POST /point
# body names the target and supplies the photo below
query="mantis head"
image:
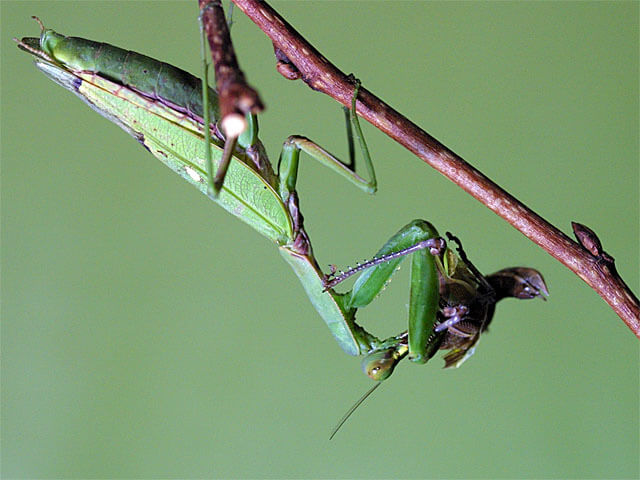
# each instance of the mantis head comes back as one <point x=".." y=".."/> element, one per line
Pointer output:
<point x="379" y="365"/>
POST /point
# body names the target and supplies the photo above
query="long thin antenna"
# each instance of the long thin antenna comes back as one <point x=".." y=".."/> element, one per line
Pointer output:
<point x="353" y="409"/>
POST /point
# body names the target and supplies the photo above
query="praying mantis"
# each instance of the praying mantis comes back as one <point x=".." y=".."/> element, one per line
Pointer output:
<point x="451" y="302"/>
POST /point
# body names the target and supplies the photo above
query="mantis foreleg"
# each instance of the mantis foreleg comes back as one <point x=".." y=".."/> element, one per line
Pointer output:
<point x="419" y="239"/>
<point x="423" y="299"/>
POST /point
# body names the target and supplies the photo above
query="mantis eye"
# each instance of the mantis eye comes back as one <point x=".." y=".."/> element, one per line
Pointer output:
<point x="379" y="365"/>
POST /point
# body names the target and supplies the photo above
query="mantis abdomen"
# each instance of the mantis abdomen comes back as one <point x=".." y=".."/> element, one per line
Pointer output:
<point x="154" y="79"/>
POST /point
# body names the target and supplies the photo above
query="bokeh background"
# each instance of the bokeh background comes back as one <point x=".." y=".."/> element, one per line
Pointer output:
<point x="147" y="333"/>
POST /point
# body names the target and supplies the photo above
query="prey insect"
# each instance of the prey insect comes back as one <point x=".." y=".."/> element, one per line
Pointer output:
<point x="161" y="106"/>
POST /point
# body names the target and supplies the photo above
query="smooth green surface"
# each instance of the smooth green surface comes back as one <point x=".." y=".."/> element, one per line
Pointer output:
<point x="339" y="320"/>
<point x="147" y="333"/>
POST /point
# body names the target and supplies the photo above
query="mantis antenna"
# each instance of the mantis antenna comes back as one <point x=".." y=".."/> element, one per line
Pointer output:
<point x="346" y="416"/>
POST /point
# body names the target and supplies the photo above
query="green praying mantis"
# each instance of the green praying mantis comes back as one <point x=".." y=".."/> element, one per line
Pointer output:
<point x="451" y="302"/>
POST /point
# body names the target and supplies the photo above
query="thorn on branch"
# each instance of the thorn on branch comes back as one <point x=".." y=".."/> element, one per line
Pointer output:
<point x="236" y="97"/>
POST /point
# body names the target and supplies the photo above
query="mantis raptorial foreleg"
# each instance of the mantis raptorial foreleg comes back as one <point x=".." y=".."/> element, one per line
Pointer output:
<point x="419" y="239"/>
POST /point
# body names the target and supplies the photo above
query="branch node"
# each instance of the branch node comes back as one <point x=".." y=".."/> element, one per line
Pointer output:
<point x="285" y="67"/>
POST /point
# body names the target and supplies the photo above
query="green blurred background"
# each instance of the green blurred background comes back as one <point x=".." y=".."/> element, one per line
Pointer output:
<point x="147" y="333"/>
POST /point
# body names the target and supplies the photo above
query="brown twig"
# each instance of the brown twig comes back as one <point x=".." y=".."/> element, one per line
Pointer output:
<point x="236" y="97"/>
<point x="324" y="77"/>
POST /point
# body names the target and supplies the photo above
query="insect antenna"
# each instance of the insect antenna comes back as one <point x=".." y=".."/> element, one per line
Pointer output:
<point x="346" y="416"/>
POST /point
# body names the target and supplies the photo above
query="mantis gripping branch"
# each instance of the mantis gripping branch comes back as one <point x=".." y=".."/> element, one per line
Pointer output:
<point x="451" y="304"/>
